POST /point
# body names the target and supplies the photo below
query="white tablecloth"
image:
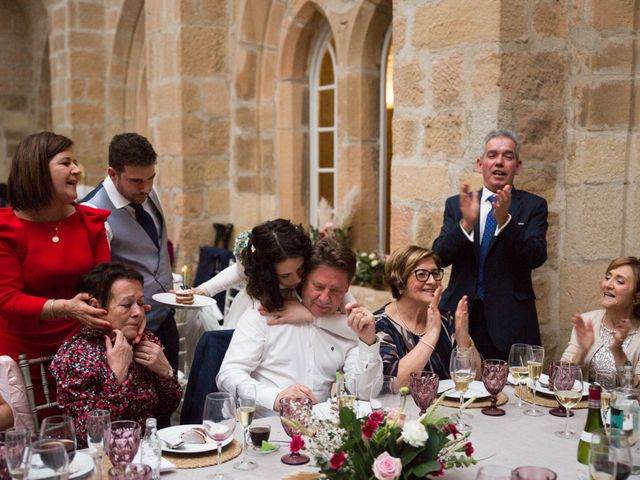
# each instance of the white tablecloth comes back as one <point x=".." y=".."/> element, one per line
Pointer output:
<point x="512" y="440"/>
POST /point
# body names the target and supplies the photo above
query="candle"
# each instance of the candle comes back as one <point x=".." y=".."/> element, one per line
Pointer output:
<point x="184" y="276"/>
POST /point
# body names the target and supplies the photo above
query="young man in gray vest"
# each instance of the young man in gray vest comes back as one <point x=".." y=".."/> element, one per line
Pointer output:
<point x="136" y="228"/>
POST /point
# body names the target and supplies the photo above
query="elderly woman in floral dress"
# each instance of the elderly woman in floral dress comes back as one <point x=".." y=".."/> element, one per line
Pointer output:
<point x="107" y="371"/>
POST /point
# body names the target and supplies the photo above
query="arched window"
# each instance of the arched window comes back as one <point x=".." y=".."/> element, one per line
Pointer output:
<point x="386" y="117"/>
<point x="323" y="127"/>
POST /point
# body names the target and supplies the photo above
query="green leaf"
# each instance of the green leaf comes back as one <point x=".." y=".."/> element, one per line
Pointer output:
<point x="428" y="467"/>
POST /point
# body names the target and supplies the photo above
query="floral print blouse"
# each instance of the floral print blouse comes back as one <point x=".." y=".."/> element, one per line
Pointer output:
<point x="86" y="382"/>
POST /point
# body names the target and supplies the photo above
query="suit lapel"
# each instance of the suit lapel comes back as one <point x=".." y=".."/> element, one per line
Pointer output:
<point x="514" y="208"/>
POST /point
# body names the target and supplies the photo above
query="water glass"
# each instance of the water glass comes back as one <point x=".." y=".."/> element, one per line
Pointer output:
<point x="49" y="460"/>
<point x="122" y="440"/>
<point x="17" y="452"/>
<point x="618" y="441"/>
<point x="386" y="395"/>
<point x="603" y="462"/>
<point x="98" y="421"/>
<point x="424" y="388"/>
<point x="4" y="471"/>
<point x="493" y="472"/>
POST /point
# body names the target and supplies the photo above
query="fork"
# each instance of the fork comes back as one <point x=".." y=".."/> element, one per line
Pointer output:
<point x="174" y="445"/>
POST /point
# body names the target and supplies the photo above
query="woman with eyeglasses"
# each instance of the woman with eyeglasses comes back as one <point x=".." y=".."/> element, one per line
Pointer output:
<point x="414" y="334"/>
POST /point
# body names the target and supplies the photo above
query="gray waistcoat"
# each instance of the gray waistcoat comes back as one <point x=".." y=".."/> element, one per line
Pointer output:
<point x="131" y="245"/>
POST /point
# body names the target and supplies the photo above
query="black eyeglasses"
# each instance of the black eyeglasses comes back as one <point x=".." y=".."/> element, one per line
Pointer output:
<point x="423" y="275"/>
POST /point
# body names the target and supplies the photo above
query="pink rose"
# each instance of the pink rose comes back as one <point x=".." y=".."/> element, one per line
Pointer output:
<point x="394" y="415"/>
<point x="386" y="467"/>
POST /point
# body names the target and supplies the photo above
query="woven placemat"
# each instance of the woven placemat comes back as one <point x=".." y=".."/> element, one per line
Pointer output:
<point x="478" y="403"/>
<point x="206" y="459"/>
<point x="545" y="400"/>
<point x="300" y="475"/>
<point x="191" y="460"/>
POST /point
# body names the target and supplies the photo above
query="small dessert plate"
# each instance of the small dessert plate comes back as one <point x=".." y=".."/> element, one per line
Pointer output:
<point x="199" y="301"/>
<point x="172" y="435"/>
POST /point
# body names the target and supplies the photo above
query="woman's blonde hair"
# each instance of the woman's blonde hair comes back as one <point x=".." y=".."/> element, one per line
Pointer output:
<point x="402" y="263"/>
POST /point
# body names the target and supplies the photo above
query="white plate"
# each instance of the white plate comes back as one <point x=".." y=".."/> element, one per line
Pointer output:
<point x="324" y="411"/>
<point x="82" y="464"/>
<point x="476" y="389"/>
<point x="172" y="435"/>
<point x="544" y="379"/>
<point x="199" y="301"/>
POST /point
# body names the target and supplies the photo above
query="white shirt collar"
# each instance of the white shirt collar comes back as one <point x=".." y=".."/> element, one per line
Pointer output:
<point x="486" y="193"/>
<point x="114" y="195"/>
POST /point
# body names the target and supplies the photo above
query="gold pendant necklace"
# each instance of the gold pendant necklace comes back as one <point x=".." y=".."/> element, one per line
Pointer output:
<point x="405" y="325"/>
<point x="55" y="238"/>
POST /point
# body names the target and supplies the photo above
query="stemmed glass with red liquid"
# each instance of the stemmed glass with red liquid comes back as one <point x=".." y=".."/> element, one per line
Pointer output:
<point x="494" y="378"/>
<point x="296" y="410"/>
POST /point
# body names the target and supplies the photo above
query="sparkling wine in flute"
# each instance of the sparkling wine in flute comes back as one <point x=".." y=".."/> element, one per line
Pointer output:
<point x="605" y="400"/>
<point x="461" y="381"/>
<point x="519" y="374"/>
<point x="568" y="398"/>
<point x="245" y="415"/>
<point x="535" y="370"/>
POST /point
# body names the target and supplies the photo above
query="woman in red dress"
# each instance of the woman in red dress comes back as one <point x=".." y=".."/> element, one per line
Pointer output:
<point x="47" y="243"/>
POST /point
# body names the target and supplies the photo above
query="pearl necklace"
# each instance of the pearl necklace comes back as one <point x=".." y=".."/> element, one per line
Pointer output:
<point x="405" y="325"/>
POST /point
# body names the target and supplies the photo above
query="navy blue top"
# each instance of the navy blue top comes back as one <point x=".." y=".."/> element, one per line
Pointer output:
<point x="396" y="341"/>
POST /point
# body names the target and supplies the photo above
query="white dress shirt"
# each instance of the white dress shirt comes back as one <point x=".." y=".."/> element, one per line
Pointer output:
<point x="275" y="357"/>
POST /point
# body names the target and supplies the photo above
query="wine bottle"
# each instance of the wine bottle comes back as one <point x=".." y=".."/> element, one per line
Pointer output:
<point x="593" y="423"/>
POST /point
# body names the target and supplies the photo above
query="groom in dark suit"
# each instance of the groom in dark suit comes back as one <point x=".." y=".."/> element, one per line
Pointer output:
<point x="494" y="238"/>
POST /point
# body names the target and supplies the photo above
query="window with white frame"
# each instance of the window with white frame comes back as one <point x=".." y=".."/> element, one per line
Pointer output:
<point x="323" y="127"/>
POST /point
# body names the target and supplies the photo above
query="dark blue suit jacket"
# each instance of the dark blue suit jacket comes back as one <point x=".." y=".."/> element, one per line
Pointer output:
<point x="520" y="247"/>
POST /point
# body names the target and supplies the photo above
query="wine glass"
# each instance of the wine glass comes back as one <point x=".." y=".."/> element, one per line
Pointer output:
<point x="49" y="459"/>
<point x="618" y="441"/>
<point x="603" y="462"/>
<point x="535" y="359"/>
<point x="462" y="368"/>
<point x="385" y="395"/>
<point x="60" y="427"/>
<point x="533" y="473"/>
<point x="97" y="423"/>
<point x="518" y="368"/>
<point x="494" y="377"/>
<point x="608" y="380"/>
<point x="567" y="387"/>
<point x="219" y="420"/>
<point x="122" y="440"/>
<point x="296" y="410"/>
<point x="424" y="388"/>
<point x="558" y="411"/>
<point x="246" y="394"/>
<point x="17" y="452"/>
<point x="493" y="472"/>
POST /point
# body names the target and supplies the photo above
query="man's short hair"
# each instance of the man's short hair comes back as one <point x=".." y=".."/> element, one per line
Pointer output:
<point x="501" y="132"/>
<point x="130" y="149"/>
<point x="333" y="254"/>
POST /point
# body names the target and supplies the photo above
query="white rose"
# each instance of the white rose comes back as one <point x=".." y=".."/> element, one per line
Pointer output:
<point x="414" y="433"/>
<point x="372" y="256"/>
<point x="374" y="263"/>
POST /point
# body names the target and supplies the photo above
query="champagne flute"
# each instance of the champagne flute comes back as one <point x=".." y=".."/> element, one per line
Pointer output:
<point x="616" y="440"/>
<point x="603" y="462"/>
<point x="462" y="367"/>
<point x="97" y="423"/>
<point x="567" y="387"/>
<point x="60" y="427"/>
<point x="518" y="368"/>
<point x="219" y="420"/>
<point x="17" y="452"/>
<point x="608" y="380"/>
<point x="246" y="400"/>
<point x="49" y="460"/>
<point x="535" y="359"/>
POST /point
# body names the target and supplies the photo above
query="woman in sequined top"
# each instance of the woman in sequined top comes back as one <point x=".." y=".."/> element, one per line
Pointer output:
<point x="605" y="339"/>
<point x="108" y="371"/>
<point x="414" y="334"/>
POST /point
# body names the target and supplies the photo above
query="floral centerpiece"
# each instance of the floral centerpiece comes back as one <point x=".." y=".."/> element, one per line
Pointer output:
<point x="385" y="445"/>
<point x="370" y="270"/>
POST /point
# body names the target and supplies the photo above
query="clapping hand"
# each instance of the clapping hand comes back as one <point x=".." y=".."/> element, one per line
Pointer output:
<point x="620" y="332"/>
<point x="361" y="321"/>
<point x="584" y="332"/>
<point x="469" y="207"/>
<point x="501" y="205"/>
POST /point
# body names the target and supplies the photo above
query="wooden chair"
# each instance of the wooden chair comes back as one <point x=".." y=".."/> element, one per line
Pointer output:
<point x="25" y="366"/>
